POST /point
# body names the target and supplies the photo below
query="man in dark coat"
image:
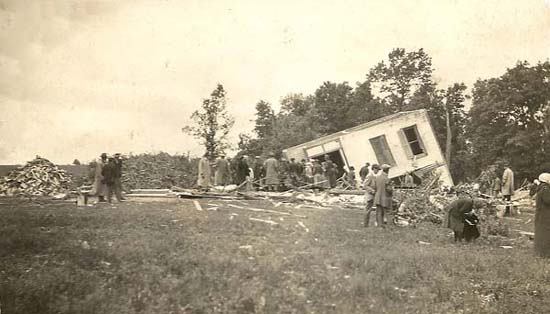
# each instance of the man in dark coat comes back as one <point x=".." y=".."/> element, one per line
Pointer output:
<point x="542" y="216"/>
<point x="118" y="179"/>
<point x="456" y="212"/>
<point x="330" y="171"/>
<point x="242" y="170"/>
<point x="364" y="171"/>
<point x="293" y="171"/>
<point x="109" y="173"/>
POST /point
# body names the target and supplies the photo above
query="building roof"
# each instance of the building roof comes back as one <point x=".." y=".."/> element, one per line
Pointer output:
<point x="336" y="135"/>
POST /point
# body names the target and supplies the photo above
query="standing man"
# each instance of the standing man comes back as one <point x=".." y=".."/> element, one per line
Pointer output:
<point x="109" y="173"/>
<point x="271" y="168"/>
<point x="330" y="171"/>
<point x="508" y="188"/>
<point x="293" y="171"/>
<point x="369" y="184"/>
<point x="383" y="196"/>
<point x="204" y="173"/>
<point x="364" y="172"/>
<point x="258" y="172"/>
<point x="301" y="170"/>
<point x="99" y="187"/>
<point x="222" y="171"/>
<point x="242" y="170"/>
<point x="542" y="216"/>
<point x="118" y="177"/>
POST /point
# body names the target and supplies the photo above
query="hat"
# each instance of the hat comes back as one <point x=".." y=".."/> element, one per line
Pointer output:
<point x="375" y="166"/>
<point x="103" y="155"/>
<point x="385" y="166"/>
<point x="544" y="177"/>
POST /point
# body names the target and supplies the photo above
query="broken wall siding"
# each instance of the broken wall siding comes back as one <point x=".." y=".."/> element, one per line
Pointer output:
<point x="357" y="146"/>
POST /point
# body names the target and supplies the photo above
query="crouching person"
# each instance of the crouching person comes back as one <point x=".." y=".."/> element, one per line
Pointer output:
<point x="458" y="212"/>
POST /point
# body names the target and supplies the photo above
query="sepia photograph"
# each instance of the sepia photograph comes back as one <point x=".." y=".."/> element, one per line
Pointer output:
<point x="306" y="156"/>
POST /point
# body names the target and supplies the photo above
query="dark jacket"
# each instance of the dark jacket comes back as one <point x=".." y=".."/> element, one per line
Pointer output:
<point x="118" y="168"/>
<point x="109" y="173"/>
<point x="542" y="220"/>
<point x="455" y="213"/>
<point x="364" y="172"/>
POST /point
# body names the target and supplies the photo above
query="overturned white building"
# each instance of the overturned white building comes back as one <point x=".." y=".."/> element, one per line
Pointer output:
<point x="405" y="140"/>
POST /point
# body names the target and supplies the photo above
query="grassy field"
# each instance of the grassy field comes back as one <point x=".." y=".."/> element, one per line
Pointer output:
<point x="168" y="257"/>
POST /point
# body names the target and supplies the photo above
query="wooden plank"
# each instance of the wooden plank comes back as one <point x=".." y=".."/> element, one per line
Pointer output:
<point x="271" y="222"/>
<point x="197" y="205"/>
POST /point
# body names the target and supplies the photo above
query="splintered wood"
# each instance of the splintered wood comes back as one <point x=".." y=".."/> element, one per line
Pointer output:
<point x="197" y="205"/>
<point x="270" y="222"/>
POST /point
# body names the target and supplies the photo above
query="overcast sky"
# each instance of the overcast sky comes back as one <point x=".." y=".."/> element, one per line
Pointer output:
<point x="78" y="78"/>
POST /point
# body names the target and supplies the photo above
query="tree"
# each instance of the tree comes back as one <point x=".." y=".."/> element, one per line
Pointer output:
<point x="212" y="124"/>
<point x="364" y="107"/>
<point x="76" y="162"/>
<point x="265" y="117"/>
<point x="455" y="116"/>
<point x="297" y="104"/>
<point x="509" y="119"/>
<point x="406" y="75"/>
<point x="332" y="102"/>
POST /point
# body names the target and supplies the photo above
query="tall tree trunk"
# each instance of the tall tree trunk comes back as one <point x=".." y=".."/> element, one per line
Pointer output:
<point x="448" y="146"/>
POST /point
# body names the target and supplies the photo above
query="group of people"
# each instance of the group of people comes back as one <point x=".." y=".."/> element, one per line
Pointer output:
<point x="378" y="194"/>
<point x="108" y="178"/>
<point x="272" y="174"/>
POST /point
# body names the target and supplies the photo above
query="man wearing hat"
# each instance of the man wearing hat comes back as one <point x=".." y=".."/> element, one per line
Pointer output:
<point x="542" y="216"/>
<point x="98" y="188"/>
<point x="383" y="196"/>
<point x="109" y="173"/>
<point x="460" y="217"/>
<point x="370" y="190"/>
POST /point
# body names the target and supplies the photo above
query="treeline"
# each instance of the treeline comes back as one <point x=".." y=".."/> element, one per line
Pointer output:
<point x="509" y="119"/>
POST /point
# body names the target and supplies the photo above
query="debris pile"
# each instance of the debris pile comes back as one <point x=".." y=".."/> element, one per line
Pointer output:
<point x="158" y="171"/>
<point x="38" y="177"/>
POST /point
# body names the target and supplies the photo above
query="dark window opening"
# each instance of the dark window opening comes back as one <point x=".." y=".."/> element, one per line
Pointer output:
<point x="413" y="139"/>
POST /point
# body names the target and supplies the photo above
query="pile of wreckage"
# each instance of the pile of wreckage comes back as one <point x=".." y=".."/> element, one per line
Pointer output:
<point x="425" y="203"/>
<point x="38" y="177"/>
<point x="158" y="171"/>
